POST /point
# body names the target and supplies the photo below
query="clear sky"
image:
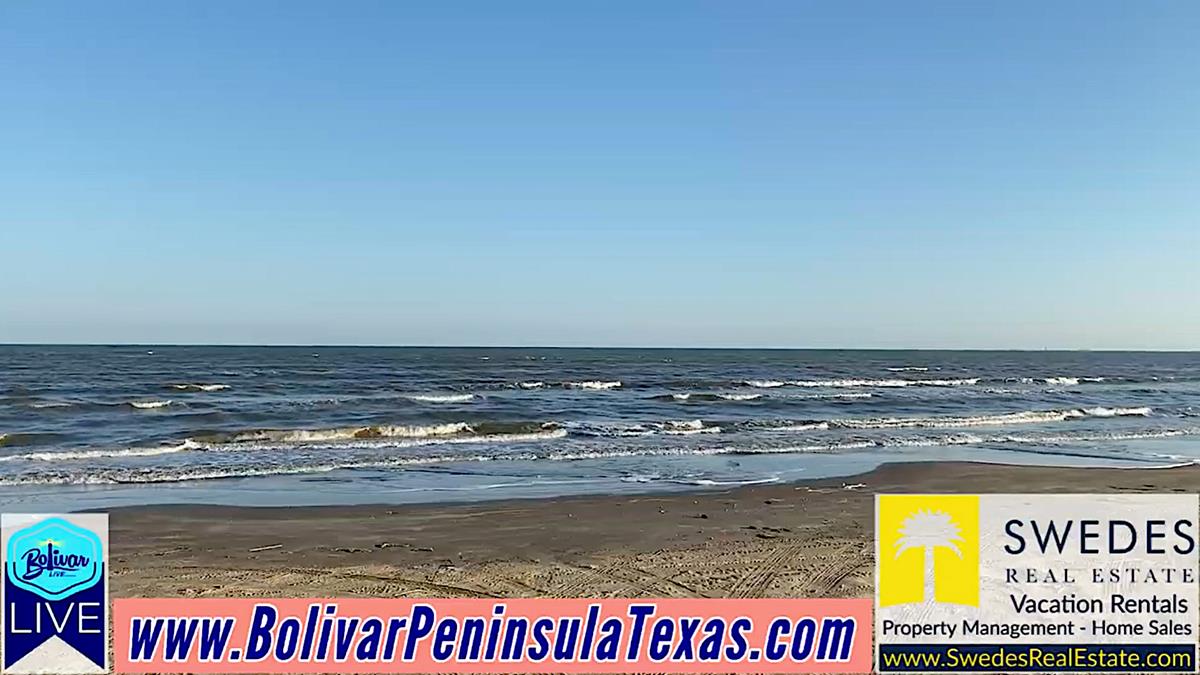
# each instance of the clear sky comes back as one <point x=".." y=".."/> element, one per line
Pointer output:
<point x="740" y="173"/>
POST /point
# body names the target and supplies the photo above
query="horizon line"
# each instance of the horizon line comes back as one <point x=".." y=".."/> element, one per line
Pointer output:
<point x="1183" y="350"/>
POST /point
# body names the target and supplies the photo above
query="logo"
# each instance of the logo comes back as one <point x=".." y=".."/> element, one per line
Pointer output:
<point x="55" y="593"/>
<point x="54" y="558"/>
<point x="928" y="549"/>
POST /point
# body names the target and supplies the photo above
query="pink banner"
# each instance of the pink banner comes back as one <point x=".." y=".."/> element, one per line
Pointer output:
<point x="330" y="635"/>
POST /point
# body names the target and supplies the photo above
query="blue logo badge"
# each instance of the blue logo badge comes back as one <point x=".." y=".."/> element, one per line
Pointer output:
<point x="54" y="558"/>
<point x="55" y="585"/>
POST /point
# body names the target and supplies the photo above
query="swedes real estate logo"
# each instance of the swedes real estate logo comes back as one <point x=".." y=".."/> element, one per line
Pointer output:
<point x="1036" y="583"/>
<point x="55" y="593"/>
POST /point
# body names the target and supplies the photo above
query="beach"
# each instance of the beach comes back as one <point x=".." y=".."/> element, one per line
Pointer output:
<point x="800" y="539"/>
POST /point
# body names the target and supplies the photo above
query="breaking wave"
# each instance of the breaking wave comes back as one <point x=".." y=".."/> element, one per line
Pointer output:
<point x="1064" y="381"/>
<point x="864" y="382"/>
<point x="669" y="428"/>
<point x="1038" y="444"/>
<point x="103" y="453"/>
<point x="1143" y="411"/>
<point x="853" y="395"/>
<point x="1025" y="417"/>
<point x="339" y="434"/>
<point x="441" y="398"/>
<point x="803" y="426"/>
<point x="200" y="387"/>
<point x="739" y="397"/>
<point x="149" y="405"/>
<point x="594" y="384"/>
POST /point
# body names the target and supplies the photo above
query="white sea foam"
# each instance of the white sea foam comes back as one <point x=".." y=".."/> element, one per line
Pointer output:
<point x="50" y="404"/>
<point x="1062" y="380"/>
<point x="681" y="397"/>
<point x="740" y="397"/>
<point x="670" y="428"/>
<point x="887" y="383"/>
<point x="149" y="405"/>
<point x="1023" y="417"/>
<point x="531" y="385"/>
<point x="393" y="442"/>
<point x="200" y="387"/>
<point x="594" y="384"/>
<point x="103" y="453"/>
<point x="807" y="426"/>
<point x="350" y="433"/>
<point x="765" y="384"/>
<point x="864" y="382"/>
<point x="852" y="395"/>
<point x="441" y="398"/>
<point x="109" y="476"/>
<point x="614" y="453"/>
<point x="1142" y="411"/>
<point x="688" y="428"/>
<point x="906" y="369"/>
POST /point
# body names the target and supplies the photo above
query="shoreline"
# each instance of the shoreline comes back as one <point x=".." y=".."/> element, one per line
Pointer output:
<point x="808" y="538"/>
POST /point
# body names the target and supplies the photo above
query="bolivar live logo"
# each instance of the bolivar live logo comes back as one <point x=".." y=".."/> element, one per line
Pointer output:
<point x="55" y="593"/>
<point x="1036" y="583"/>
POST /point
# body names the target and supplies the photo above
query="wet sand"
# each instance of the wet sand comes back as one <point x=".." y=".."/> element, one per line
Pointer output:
<point x="804" y="539"/>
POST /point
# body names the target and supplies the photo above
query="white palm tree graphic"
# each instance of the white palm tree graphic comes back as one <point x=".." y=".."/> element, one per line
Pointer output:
<point x="928" y="530"/>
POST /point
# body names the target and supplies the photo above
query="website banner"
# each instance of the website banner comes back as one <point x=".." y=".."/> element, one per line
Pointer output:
<point x="248" y="635"/>
<point x="1036" y="583"/>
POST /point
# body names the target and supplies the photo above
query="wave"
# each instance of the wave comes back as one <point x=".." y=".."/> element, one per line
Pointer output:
<point x="1097" y="438"/>
<point x="594" y="384"/>
<point x="1143" y="411"/>
<point x="864" y="382"/>
<point x="104" y="453"/>
<point x="805" y="426"/>
<point x="122" y="475"/>
<point x="50" y="404"/>
<point x="441" y="398"/>
<point x="765" y="384"/>
<point x="853" y="395"/>
<point x="200" y="387"/>
<point x="740" y="397"/>
<point x="957" y="382"/>
<point x="338" y="434"/>
<point x="688" y="428"/>
<point x="1065" y="380"/>
<point x="1024" y="417"/>
<point x="669" y="428"/>
<point x="284" y="442"/>
<point x="909" y="369"/>
<point x="1062" y="380"/>
<point x="149" y="405"/>
<point x="536" y="384"/>
<point x="706" y="397"/>
<point x="828" y="448"/>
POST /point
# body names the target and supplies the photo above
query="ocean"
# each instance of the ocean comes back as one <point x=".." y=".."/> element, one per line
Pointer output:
<point x="102" y="426"/>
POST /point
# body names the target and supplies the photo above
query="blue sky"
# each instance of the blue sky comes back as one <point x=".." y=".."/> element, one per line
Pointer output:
<point x="838" y="174"/>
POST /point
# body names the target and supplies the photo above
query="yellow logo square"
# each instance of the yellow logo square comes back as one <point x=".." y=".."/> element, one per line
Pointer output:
<point x="927" y="547"/>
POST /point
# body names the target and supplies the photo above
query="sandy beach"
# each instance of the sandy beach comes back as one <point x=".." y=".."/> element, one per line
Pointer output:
<point x="803" y="539"/>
